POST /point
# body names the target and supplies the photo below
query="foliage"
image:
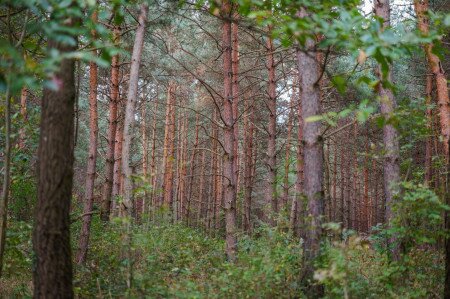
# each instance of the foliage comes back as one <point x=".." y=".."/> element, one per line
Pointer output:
<point x="352" y="268"/>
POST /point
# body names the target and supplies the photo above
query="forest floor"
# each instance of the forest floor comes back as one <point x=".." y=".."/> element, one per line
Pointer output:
<point x="175" y="261"/>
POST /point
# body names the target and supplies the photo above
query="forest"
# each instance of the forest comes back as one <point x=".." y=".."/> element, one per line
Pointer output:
<point x="224" y="149"/>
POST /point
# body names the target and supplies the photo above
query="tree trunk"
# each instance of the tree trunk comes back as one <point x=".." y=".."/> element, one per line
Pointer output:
<point x="297" y="208"/>
<point x="153" y="158"/>
<point x="113" y="115"/>
<point x="83" y="241"/>
<point x="117" y="179"/>
<point x="127" y="203"/>
<point x="429" y="140"/>
<point x="287" y="163"/>
<point x="421" y="7"/>
<point x="391" y="168"/>
<point x="23" y="113"/>
<point x="168" y="154"/>
<point x="248" y="165"/>
<point x="52" y="271"/>
<point x="309" y="69"/>
<point x="6" y="176"/>
<point x="190" y="184"/>
<point x="235" y="92"/>
<point x="271" y="187"/>
<point x="229" y="181"/>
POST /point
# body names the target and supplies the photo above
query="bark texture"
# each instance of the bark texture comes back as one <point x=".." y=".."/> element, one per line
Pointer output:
<point x="229" y="175"/>
<point x="136" y="57"/>
<point x="52" y="271"/>
<point x="112" y="120"/>
<point x="83" y="241"/>
<point x="271" y="192"/>
<point x="309" y="69"/>
<point x="391" y="168"/>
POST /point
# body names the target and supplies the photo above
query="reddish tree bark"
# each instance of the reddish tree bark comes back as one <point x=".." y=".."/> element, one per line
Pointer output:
<point x="110" y="152"/>
<point x="83" y="241"/>
<point x="153" y="158"/>
<point x="168" y="153"/>
<point x="235" y="92"/>
<point x="429" y="140"/>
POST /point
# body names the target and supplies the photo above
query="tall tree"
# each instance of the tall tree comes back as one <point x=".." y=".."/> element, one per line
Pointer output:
<point x="439" y="76"/>
<point x="309" y="70"/>
<point x="391" y="167"/>
<point x="83" y="241"/>
<point x="112" y="128"/>
<point x="136" y="57"/>
<point x="271" y="191"/>
<point x="229" y="180"/>
<point x="52" y="272"/>
<point x="6" y="177"/>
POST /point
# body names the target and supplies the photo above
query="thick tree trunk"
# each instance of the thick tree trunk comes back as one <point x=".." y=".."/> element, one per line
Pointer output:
<point x="110" y="153"/>
<point x="391" y="168"/>
<point x="309" y="69"/>
<point x="52" y="271"/>
<point x="83" y="241"/>
<point x="229" y="175"/>
<point x="127" y="203"/>
<point x="271" y="187"/>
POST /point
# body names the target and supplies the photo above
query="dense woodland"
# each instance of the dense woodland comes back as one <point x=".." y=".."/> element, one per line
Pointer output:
<point x="224" y="149"/>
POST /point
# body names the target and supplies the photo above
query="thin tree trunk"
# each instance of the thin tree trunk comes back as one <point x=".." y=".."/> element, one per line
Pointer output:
<point x="83" y="241"/>
<point x="153" y="158"/>
<point x="287" y="162"/>
<point x="248" y="165"/>
<point x="168" y="155"/>
<point x="391" y="168"/>
<point x="144" y="153"/>
<point x="52" y="271"/>
<point x="190" y="184"/>
<point x="127" y="203"/>
<point x="229" y="181"/>
<point x="271" y="192"/>
<point x="6" y="176"/>
<point x="24" y="114"/>
<point x="429" y="141"/>
<point x="366" y="204"/>
<point x="235" y="92"/>
<point x="297" y="208"/>
<point x="117" y="179"/>
<point x="110" y="153"/>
